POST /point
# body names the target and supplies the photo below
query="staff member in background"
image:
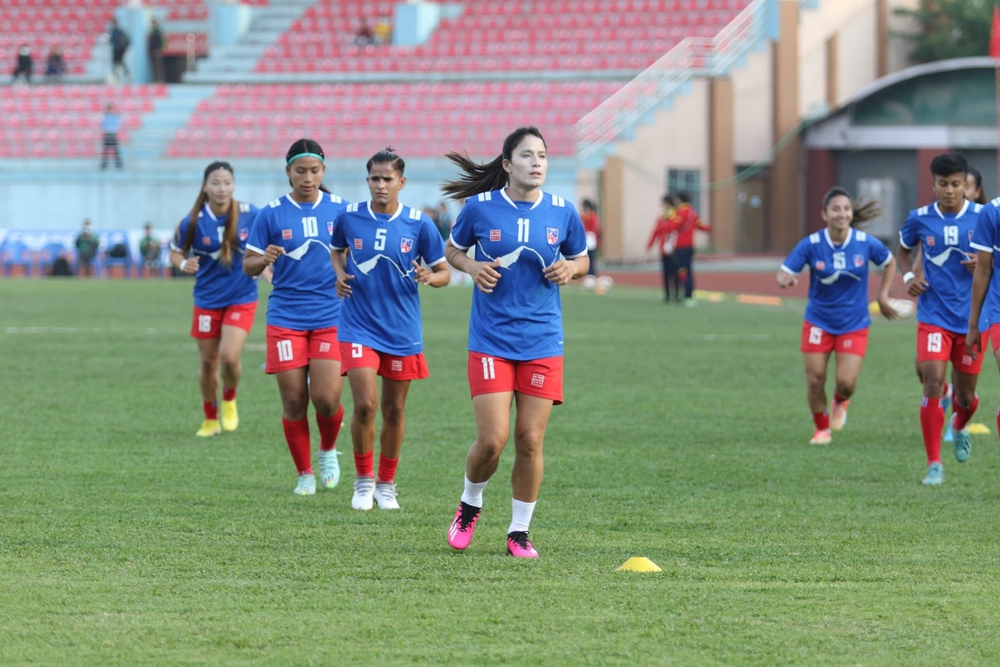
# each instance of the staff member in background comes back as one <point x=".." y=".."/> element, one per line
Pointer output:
<point x="685" y="221"/>
<point x="592" y="227"/>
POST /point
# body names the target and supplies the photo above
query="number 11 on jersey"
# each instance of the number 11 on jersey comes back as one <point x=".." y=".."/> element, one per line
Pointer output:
<point x="489" y="372"/>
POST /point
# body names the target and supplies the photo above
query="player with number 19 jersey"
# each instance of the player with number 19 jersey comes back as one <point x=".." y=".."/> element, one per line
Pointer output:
<point x="383" y="312"/>
<point x="216" y="285"/>
<point x="304" y="295"/>
<point x="521" y="320"/>
<point x="838" y="278"/>
<point x="946" y="239"/>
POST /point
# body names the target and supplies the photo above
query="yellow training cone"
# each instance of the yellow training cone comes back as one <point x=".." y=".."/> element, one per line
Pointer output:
<point x="639" y="564"/>
<point x="979" y="429"/>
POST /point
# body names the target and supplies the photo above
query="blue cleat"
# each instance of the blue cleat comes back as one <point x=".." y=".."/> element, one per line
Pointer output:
<point x="962" y="445"/>
<point x="935" y="475"/>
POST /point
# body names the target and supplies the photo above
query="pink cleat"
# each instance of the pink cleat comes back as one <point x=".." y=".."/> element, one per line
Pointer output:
<point x="518" y="545"/>
<point x="462" y="527"/>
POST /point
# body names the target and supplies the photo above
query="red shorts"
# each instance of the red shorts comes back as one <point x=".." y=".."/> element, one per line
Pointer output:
<point x="288" y="348"/>
<point x="993" y="333"/>
<point x="389" y="366"/>
<point x="937" y="344"/>
<point x="207" y="323"/>
<point x="539" y="377"/>
<point x="815" y="340"/>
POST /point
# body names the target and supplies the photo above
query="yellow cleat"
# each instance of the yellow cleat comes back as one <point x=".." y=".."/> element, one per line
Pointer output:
<point x="209" y="427"/>
<point x="228" y="416"/>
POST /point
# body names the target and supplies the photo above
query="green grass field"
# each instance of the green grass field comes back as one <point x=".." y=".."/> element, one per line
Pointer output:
<point x="125" y="540"/>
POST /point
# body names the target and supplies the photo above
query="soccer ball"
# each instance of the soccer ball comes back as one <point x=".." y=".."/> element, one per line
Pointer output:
<point x="589" y="283"/>
<point x="904" y="307"/>
<point x="604" y="283"/>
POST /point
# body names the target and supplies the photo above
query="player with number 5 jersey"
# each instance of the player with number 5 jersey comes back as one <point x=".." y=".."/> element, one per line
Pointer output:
<point x="943" y="287"/>
<point x="378" y="247"/>
<point x="526" y="243"/>
<point x="836" y="318"/>
<point x="225" y="299"/>
<point x="292" y="236"/>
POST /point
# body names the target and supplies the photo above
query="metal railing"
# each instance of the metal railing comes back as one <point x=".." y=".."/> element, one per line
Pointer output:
<point x="692" y="56"/>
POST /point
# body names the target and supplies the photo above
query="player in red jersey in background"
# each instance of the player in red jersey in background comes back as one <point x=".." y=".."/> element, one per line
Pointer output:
<point x="377" y="248"/>
<point x="225" y="299"/>
<point x="685" y="222"/>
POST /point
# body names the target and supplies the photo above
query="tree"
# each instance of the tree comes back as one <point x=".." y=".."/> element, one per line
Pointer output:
<point x="949" y="29"/>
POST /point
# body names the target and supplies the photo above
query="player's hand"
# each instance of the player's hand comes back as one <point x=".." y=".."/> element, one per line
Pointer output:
<point x="916" y="286"/>
<point x="421" y="274"/>
<point x="484" y="275"/>
<point x="970" y="262"/>
<point x="973" y="342"/>
<point x="343" y="285"/>
<point x="190" y="265"/>
<point x="888" y="311"/>
<point x="786" y="279"/>
<point x="561" y="272"/>
<point x="272" y="253"/>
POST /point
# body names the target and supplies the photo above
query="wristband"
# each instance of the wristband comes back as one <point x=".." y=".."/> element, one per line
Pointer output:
<point x="907" y="277"/>
<point x="184" y="263"/>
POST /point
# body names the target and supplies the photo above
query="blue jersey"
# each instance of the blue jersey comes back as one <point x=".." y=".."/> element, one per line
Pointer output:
<point x="383" y="311"/>
<point x="304" y="294"/>
<point x="986" y="238"/>
<point x="838" y="278"/>
<point x="521" y="319"/>
<point x="217" y="285"/>
<point x="945" y="239"/>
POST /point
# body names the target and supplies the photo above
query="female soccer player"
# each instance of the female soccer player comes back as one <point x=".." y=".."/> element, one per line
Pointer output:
<point x="380" y="331"/>
<point x="292" y="235"/>
<point x="527" y="243"/>
<point x="974" y="186"/>
<point x="836" y="318"/>
<point x="943" y="230"/>
<point x="225" y="298"/>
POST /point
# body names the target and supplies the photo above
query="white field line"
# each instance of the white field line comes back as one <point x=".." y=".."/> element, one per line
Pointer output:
<point x="75" y="331"/>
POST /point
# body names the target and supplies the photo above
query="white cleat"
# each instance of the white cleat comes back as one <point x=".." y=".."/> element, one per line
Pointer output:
<point x="364" y="492"/>
<point x="385" y="496"/>
<point x="306" y="485"/>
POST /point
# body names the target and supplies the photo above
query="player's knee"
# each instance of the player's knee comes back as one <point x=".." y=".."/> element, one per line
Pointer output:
<point x="365" y="408"/>
<point x="845" y="389"/>
<point x="393" y="411"/>
<point x="933" y="386"/>
<point x="815" y="379"/>
<point x="209" y="366"/>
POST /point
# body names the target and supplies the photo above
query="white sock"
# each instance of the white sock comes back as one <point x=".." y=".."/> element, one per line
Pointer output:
<point x="521" y="518"/>
<point x="473" y="494"/>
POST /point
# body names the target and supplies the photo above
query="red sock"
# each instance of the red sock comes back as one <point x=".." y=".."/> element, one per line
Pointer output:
<point x="947" y="389"/>
<point x="386" y="468"/>
<point x="297" y="437"/>
<point x="838" y="399"/>
<point x="998" y="420"/>
<point x="822" y="420"/>
<point x="963" y="414"/>
<point x="228" y="394"/>
<point x="211" y="409"/>
<point x="931" y="423"/>
<point x="329" y="428"/>
<point x="364" y="464"/>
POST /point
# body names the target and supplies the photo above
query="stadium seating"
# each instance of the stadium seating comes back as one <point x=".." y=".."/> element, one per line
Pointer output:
<point x="497" y="37"/>
<point x="355" y="120"/>
<point x="65" y="120"/>
<point x="73" y="25"/>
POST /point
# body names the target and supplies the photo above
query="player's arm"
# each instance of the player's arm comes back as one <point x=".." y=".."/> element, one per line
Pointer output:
<point x="915" y="285"/>
<point x="564" y="270"/>
<point x="888" y="274"/>
<point x="437" y="275"/>
<point x="980" y="285"/>
<point x="338" y="257"/>
<point x="484" y="274"/>
<point x="254" y="262"/>
<point x="180" y="261"/>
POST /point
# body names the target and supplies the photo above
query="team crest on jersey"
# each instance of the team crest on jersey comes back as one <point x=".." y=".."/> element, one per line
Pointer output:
<point x="820" y="265"/>
<point x="494" y="235"/>
<point x="405" y="245"/>
<point x="358" y="244"/>
<point x="930" y="241"/>
<point x="329" y="227"/>
<point x="286" y="234"/>
<point x="859" y="261"/>
<point x="206" y="241"/>
<point x="552" y="234"/>
<point x="970" y="236"/>
<point x="244" y="233"/>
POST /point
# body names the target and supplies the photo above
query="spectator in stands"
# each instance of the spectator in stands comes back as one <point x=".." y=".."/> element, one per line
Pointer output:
<point x="119" y="41"/>
<point x="86" y="249"/>
<point x="110" y="126"/>
<point x="55" y="66"/>
<point x="365" y="35"/>
<point x="149" y="249"/>
<point x="154" y="45"/>
<point x="383" y="31"/>
<point x="592" y="226"/>
<point x="24" y="65"/>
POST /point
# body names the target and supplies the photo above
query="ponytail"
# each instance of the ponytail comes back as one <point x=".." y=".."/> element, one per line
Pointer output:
<point x="863" y="209"/>
<point x="487" y="177"/>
